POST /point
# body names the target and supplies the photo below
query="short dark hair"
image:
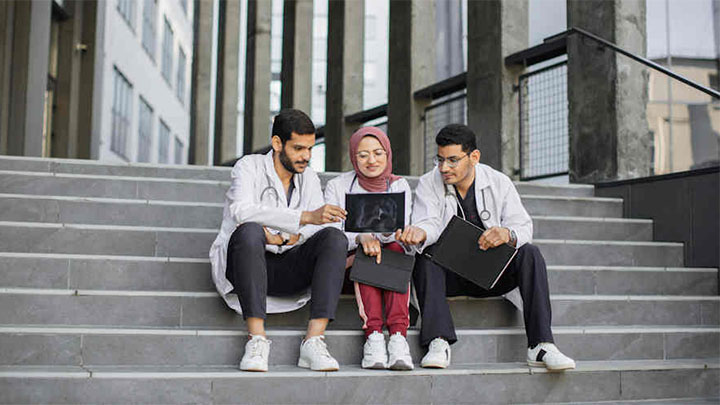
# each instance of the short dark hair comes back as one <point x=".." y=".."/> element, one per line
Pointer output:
<point x="290" y="120"/>
<point x="457" y="134"/>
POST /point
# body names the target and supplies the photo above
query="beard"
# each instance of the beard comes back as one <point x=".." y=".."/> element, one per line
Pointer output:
<point x="287" y="163"/>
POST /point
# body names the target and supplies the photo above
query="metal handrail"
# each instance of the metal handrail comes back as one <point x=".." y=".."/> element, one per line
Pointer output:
<point x="644" y="61"/>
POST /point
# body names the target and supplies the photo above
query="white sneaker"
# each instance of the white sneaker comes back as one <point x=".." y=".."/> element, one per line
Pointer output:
<point x="257" y="352"/>
<point x="438" y="355"/>
<point x="315" y="356"/>
<point x="374" y="353"/>
<point x="548" y="355"/>
<point x="399" y="351"/>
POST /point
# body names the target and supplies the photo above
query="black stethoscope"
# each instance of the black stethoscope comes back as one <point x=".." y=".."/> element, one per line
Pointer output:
<point x="269" y="189"/>
<point x="352" y="184"/>
<point x="484" y="214"/>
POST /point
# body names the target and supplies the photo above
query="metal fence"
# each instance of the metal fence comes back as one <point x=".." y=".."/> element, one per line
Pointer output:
<point x="451" y="109"/>
<point x="544" y="122"/>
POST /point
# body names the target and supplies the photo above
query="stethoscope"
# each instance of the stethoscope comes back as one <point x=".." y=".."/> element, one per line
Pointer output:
<point x="269" y="189"/>
<point x="484" y="213"/>
<point x="354" y="180"/>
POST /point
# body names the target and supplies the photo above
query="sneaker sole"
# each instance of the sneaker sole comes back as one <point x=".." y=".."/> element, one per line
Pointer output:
<point x="304" y="364"/>
<point x="543" y="365"/>
<point x="374" y="366"/>
<point x="254" y="370"/>
<point x="401" y="366"/>
<point x="434" y="366"/>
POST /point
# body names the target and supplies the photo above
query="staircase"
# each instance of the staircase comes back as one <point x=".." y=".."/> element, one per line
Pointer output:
<point x="106" y="297"/>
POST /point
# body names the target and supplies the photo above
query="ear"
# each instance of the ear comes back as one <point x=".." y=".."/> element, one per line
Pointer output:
<point x="276" y="143"/>
<point x="475" y="156"/>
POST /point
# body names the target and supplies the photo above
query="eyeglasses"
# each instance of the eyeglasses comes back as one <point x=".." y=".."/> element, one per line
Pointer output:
<point x="378" y="153"/>
<point x="452" y="162"/>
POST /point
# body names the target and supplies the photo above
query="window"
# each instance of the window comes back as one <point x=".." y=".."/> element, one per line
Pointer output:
<point x="149" y="27"/>
<point x="179" y="152"/>
<point x="145" y="119"/>
<point x="180" y="86"/>
<point x="127" y="11"/>
<point x="167" y="51"/>
<point x="163" y="143"/>
<point x="121" y="111"/>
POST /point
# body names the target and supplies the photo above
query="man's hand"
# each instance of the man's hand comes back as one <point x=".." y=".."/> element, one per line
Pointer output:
<point x="324" y="215"/>
<point x="370" y="245"/>
<point x="277" y="239"/>
<point x="411" y="235"/>
<point x="493" y="237"/>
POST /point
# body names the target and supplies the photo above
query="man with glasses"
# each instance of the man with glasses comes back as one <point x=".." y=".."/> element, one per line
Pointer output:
<point x="460" y="185"/>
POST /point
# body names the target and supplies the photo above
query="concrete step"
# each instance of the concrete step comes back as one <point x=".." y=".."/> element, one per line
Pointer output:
<point x="95" y="210"/>
<point x="206" y="310"/>
<point x="27" y="237"/>
<point x="77" y="346"/>
<point x="486" y="383"/>
<point x="169" y="189"/>
<point x="94" y="167"/>
<point x="95" y="272"/>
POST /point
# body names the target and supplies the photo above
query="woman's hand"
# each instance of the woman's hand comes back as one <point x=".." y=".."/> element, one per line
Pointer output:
<point x="370" y="245"/>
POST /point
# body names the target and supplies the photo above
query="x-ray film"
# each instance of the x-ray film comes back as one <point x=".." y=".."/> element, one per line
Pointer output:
<point x="375" y="212"/>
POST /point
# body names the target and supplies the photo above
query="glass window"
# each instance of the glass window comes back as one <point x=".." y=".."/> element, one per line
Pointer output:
<point x="180" y="86"/>
<point x="121" y="114"/>
<point x="149" y="27"/>
<point x="163" y="142"/>
<point x="145" y="119"/>
<point x="127" y="11"/>
<point x="167" y="51"/>
<point x="179" y="151"/>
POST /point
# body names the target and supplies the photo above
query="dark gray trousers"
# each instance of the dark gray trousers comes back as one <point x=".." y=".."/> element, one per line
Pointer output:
<point x="318" y="264"/>
<point x="527" y="271"/>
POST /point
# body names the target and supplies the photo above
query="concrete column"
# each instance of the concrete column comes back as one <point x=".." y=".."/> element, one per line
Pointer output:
<point x="257" y="76"/>
<point x="607" y="93"/>
<point x="412" y="67"/>
<point x="201" y="92"/>
<point x="226" y="96"/>
<point x="90" y="82"/>
<point x="296" y="73"/>
<point x="346" y="26"/>
<point x="496" y="29"/>
<point x="7" y="15"/>
<point x="31" y="41"/>
<point x="70" y="48"/>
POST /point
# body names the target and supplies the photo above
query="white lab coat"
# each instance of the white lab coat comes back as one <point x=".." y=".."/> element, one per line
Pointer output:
<point x="336" y="189"/>
<point x="436" y="203"/>
<point x="254" y="177"/>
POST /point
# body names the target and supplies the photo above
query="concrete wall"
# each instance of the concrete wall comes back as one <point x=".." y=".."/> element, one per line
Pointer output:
<point x="122" y="46"/>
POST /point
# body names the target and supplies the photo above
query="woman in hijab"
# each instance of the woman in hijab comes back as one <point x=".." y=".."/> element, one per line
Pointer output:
<point x="371" y="157"/>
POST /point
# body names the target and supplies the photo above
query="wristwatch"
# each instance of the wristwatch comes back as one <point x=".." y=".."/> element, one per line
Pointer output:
<point x="513" y="237"/>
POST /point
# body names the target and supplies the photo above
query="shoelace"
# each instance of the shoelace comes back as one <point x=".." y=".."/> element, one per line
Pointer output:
<point x="255" y="348"/>
<point x="319" y="346"/>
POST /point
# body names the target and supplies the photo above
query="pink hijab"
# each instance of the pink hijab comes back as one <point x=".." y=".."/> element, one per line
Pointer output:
<point x="373" y="184"/>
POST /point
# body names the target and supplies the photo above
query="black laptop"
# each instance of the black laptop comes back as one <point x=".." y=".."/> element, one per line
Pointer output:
<point x="393" y="273"/>
<point x="457" y="250"/>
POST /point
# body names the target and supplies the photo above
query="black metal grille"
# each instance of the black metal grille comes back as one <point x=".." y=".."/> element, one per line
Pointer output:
<point x="544" y="122"/>
<point x="447" y="110"/>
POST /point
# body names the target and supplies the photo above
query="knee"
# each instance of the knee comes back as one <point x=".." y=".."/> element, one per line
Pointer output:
<point x="530" y="250"/>
<point x="249" y="233"/>
<point x="333" y="239"/>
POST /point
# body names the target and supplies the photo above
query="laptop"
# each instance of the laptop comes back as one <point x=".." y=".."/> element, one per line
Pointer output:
<point x="374" y="212"/>
<point x="457" y="250"/>
<point x="393" y="273"/>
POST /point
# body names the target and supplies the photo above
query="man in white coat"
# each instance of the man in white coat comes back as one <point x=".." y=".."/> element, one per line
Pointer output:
<point x="271" y="254"/>
<point x="460" y="185"/>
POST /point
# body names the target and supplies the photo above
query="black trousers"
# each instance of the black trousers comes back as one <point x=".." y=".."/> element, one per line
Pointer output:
<point x="319" y="264"/>
<point x="527" y="271"/>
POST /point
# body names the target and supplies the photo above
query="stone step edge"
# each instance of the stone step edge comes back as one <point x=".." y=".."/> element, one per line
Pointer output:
<point x="110" y="177"/>
<point x="153" y="372"/>
<point x="71" y="256"/>
<point x="194" y="294"/>
<point x="92" y="162"/>
<point x="557" y="330"/>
